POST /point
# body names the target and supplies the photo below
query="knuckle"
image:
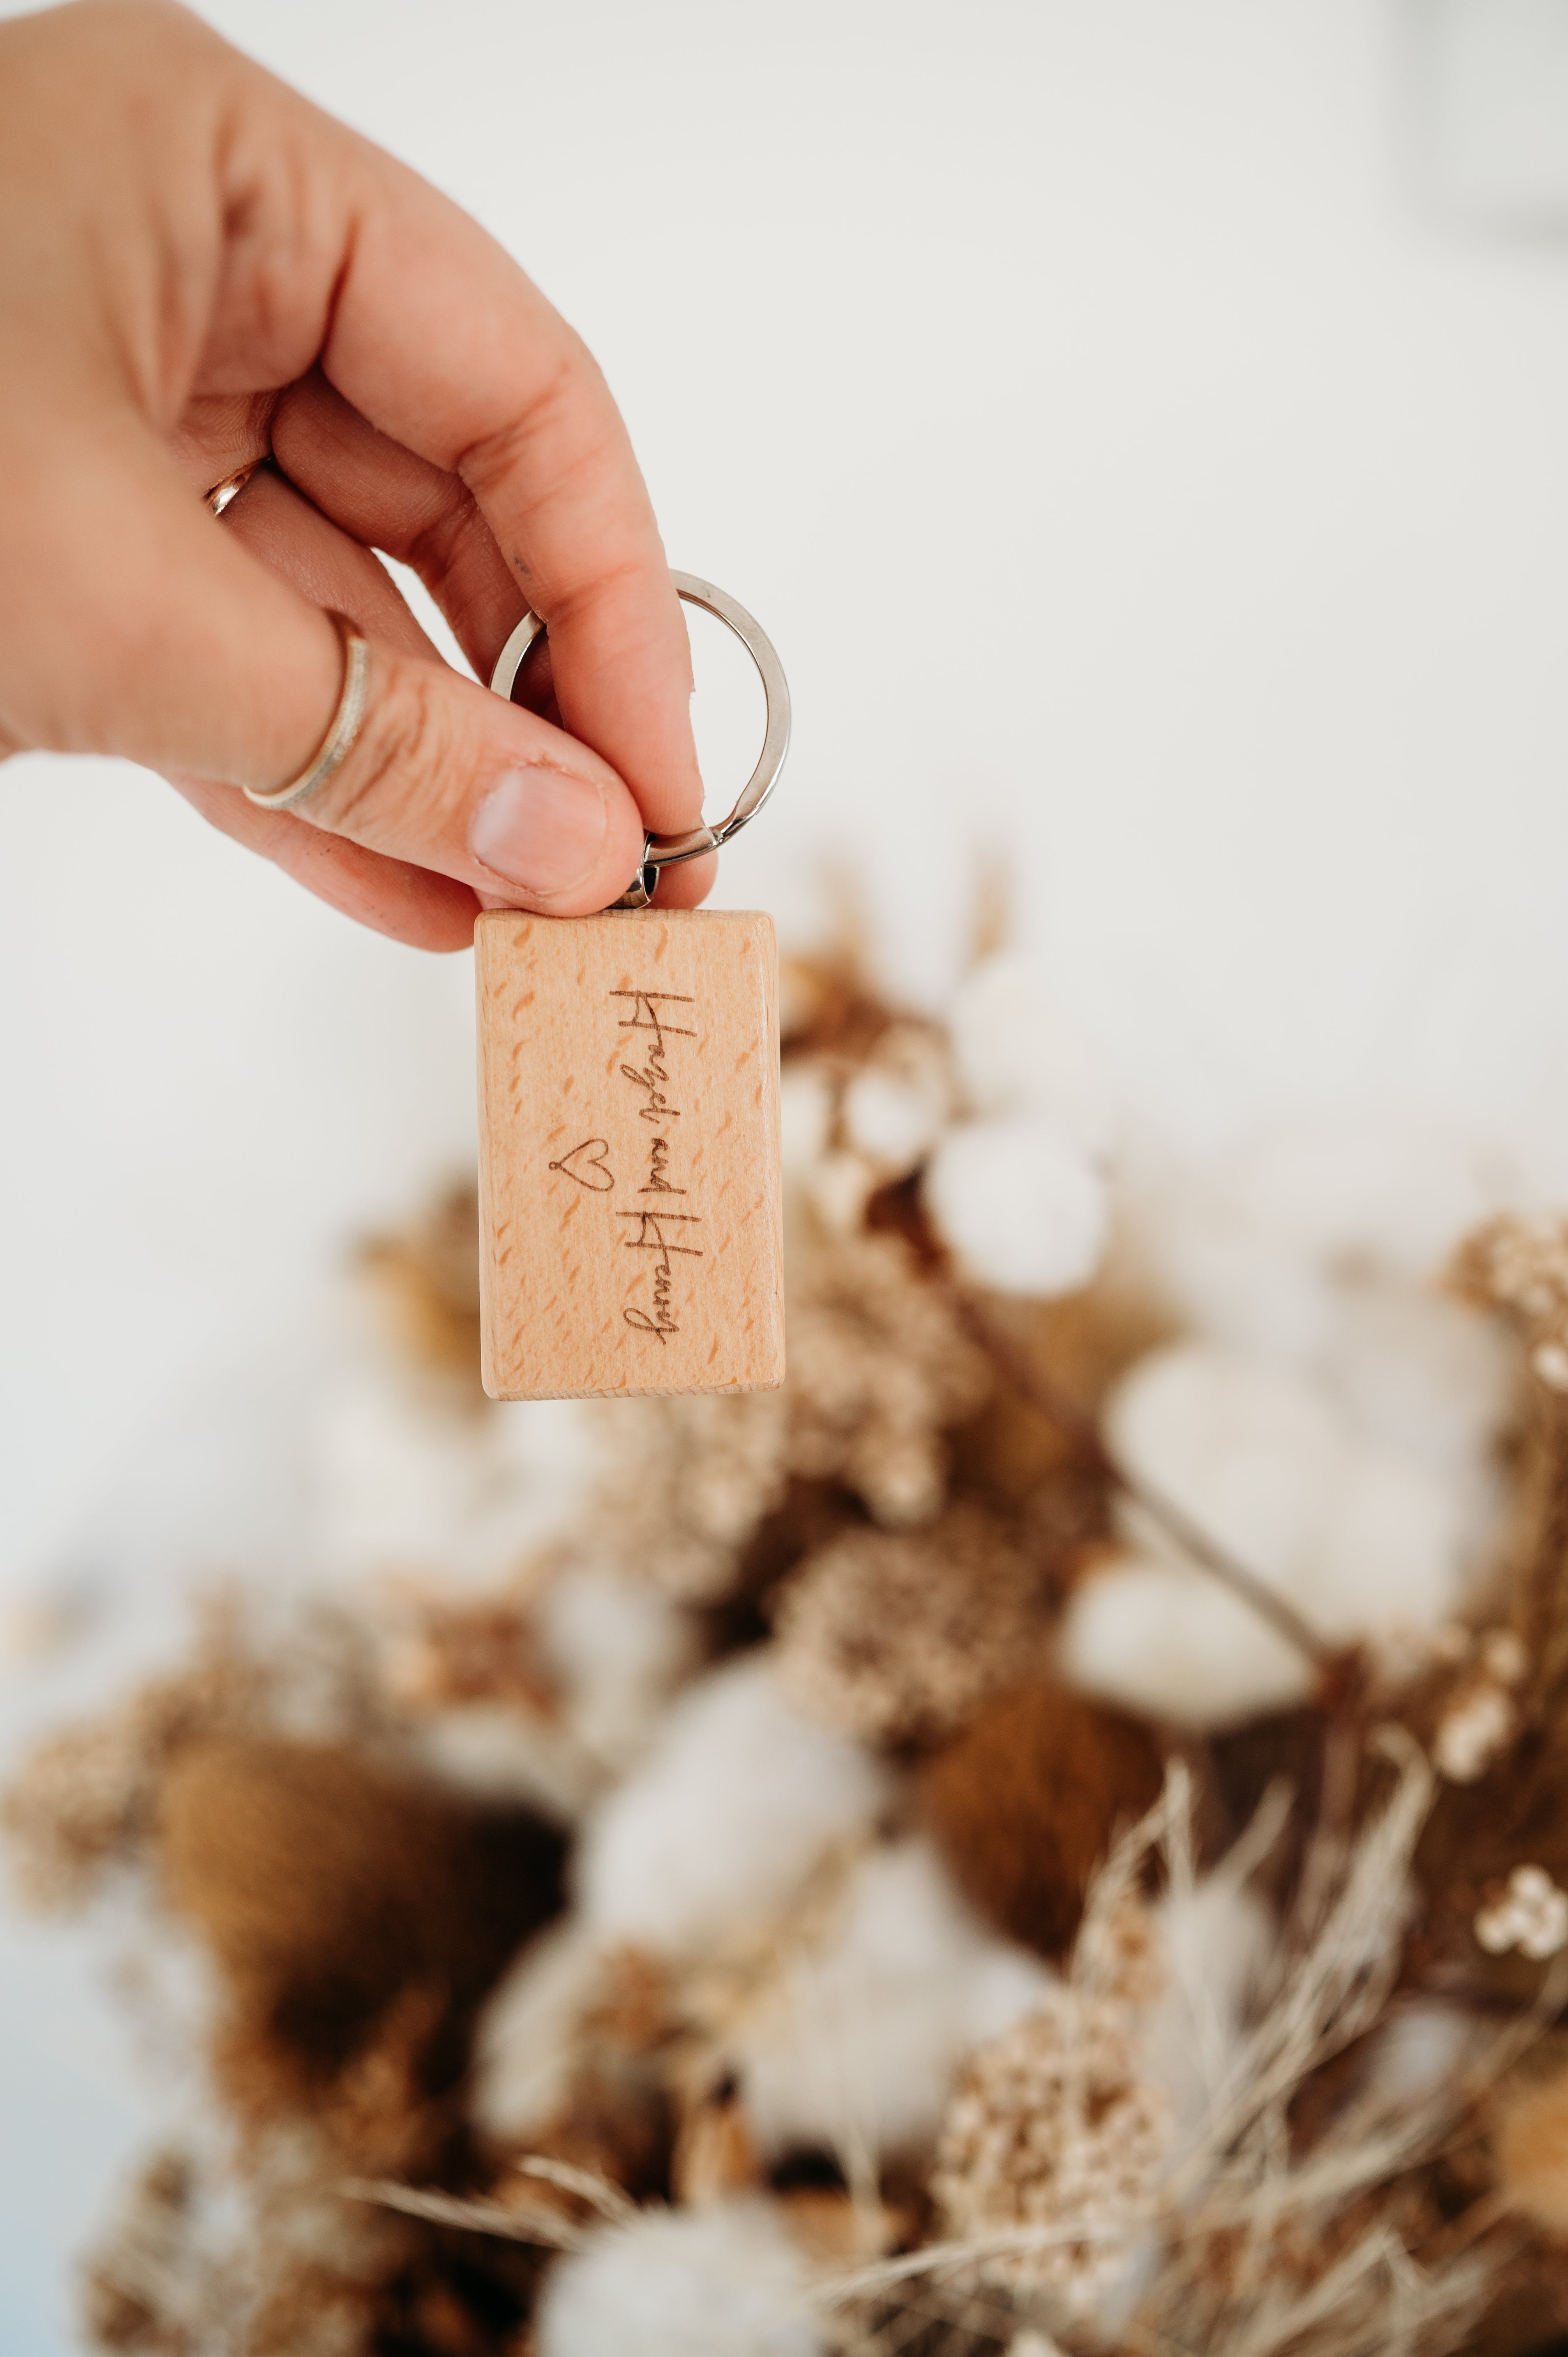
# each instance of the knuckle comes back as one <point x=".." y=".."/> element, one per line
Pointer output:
<point x="606" y="582"/>
<point x="561" y="436"/>
<point x="386" y="790"/>
<point x="495" y="454"/>
<point x="437" y="549"/>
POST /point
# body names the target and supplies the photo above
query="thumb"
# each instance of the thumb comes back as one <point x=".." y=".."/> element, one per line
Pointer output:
<point x="188" y="653"/>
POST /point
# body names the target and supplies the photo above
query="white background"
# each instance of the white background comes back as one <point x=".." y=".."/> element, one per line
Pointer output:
<point x="1140" y="424"/>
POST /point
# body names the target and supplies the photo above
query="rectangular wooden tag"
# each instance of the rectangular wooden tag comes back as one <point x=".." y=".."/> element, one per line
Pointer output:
<point x="629" y="1202"/>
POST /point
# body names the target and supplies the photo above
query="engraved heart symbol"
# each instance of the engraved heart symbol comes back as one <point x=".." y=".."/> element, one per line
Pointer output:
<point x="587" y="1165"/>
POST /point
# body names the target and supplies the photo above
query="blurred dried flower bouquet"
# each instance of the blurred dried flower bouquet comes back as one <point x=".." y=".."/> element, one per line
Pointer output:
<point x="1051" y="1834"/>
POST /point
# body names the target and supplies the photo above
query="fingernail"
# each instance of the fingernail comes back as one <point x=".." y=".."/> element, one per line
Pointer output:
<point x="539" y="829"/>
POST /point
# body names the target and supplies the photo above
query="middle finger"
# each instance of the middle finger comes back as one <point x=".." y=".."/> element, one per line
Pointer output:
<point x="390" y="498"/>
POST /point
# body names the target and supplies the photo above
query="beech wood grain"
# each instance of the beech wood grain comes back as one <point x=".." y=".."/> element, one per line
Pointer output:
<point x="629" y="1197"/>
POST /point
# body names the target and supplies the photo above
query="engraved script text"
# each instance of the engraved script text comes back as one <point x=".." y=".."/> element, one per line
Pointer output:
<point x="666" y="1234"/>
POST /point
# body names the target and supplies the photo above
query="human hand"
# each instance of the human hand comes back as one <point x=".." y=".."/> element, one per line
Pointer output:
<point x="198" y="266"/>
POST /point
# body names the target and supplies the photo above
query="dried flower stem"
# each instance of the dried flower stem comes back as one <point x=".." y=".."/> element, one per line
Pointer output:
<point x="512" y="2222"/>
<point x="509" y="2224"/>
<point x="935" y="2259"/>
<point x="598" y="2191"/>
<point x="1079" y="1428"/>
<point x="1237" y="2187"/>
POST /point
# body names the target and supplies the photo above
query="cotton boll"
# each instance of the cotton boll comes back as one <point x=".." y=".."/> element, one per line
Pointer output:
<point x="523" y="2042"/>
<point x="1362" y="1539"/>
<point x="803" y="988"/>
<point x="839" y="1188"/>
<point x="1022" y="1211"/>
<point x="402" y="1478"/>
<point x="1014" y="1056"/>
<point x="409" y="1481"/>
<point x="1222" y="1275"/>
<point x="1269" y="1464"/>
<point x="501" y="1753"/>
<point x="1391" y="1195"/>
<point x="892" y="1120"/>
<point x="1171" y="1643"/>
<point x="896" y="1107"/>
<point x="595" y="1622"/>
<point x="552" y="1445"/>
<point x="720" y="2282"/>
<point x="1264" y="1248"/>
<point x="1001" y="1985"/>
<point x="618" y="1647"/>
<point x="1391" y="1551"/>
<point x="1248" y="1450"/>
<point x="728" y="1812"/>
<point x="1425" y="1374"/>
<point x="805" y="1117"/>
<point x="856" y="2044"/>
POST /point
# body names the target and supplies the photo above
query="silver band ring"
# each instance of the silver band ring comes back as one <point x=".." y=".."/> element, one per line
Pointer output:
<point x="342" y="729"/>
<point x="664" y="850"/>
<point x="347" y="721"/>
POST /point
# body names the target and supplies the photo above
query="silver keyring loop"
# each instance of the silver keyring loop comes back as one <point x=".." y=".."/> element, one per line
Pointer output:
<point x="666" y="850"/>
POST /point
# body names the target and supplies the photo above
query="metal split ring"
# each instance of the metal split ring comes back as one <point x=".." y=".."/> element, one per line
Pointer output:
<point x="665" y="850"/>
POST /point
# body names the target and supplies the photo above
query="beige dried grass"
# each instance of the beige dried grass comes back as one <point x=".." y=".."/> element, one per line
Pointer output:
<point x="1264" y="2250"/>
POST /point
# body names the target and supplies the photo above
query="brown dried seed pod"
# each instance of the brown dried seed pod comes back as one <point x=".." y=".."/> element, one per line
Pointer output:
<point x="1024" y="1805"/>
<point x="326" y="1889"/>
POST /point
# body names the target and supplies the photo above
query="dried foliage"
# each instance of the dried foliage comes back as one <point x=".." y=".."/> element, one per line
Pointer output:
<point x="1202" y="2131"/>
<point x="881" y="1370"/>
<point x="1497" y="1712"/>
<point x="427" y="1279"/>
<point x="356" y="1919"/>
<point x="1231" y="2237"/>
<point x="89" y="1798"/>
<point x="896" y="1637"/>
<point x="1520" y="1266"/>
<point x="686" y="1483"/>
<point x="1027" y="1801"/>
<point x="1056" y="2127"/>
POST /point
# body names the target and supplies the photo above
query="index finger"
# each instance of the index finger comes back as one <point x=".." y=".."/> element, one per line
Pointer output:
<point x="440" y="340"/>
